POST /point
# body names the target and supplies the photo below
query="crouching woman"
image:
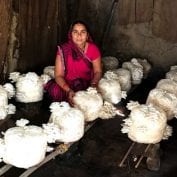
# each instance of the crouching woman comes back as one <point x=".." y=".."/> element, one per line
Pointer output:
<point x="77" y="65"/>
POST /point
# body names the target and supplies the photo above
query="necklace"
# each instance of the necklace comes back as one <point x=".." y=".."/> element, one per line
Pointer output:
<point x="82" y="49"/>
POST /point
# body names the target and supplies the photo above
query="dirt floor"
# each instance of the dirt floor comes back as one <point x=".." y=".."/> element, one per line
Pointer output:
<point x="100" y="151"/>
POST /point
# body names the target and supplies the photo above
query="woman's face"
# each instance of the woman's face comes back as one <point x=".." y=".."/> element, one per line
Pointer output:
<point x="79" y="34"/>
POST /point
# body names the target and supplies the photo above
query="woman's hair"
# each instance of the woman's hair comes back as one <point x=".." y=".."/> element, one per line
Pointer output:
<point x="79" y="22"/>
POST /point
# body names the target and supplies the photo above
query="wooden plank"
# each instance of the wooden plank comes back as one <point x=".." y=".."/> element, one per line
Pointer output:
<point x="164" y="20"/>
<point x="38" y="34"/>
<point x="126" y="155"/>
<point x="4" y="169"/>
<point x="96" y="14"/>
<point x="5" y="22"/>
<point x="143" y="11"/>
<point x="142" y="155"/>
<point x="126" y="12"/>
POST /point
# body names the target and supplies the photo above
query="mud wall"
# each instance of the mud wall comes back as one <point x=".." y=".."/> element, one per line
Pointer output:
<point x="30" y="30"/>
<point x="145" y="29"/>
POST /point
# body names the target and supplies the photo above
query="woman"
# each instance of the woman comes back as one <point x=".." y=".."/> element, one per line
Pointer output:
<point x="77" y="66"/>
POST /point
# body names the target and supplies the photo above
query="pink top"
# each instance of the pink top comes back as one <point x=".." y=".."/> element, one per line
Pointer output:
<point x="78" y="68"/>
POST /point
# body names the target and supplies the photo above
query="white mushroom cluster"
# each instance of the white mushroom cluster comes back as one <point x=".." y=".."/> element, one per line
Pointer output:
<point x="90" y="102"/>
<point x="49" y="70"/>
<point x="29" y="87"/>
<point x="7" y="91"/>
<point x="136" y="70"/>
<point x="24" y="146"/>
<point x="45" y="78"/>
<point x="172" y="73"/>
<point x="110" y="63"/>
<point x="164" y="95"/>
<point x="107" y="111"/>
<point x="93" y="105"/>
<point x="66" y="124"/>
<point x="167" y="85"/>
<point x="111" y="90"/>
<point x="165" y="100"/>
<point x="146" y="66"/>
<point x="146" y="123"/>
<point x="139" y="68"/>
<point x="124" y="77"/>
<point x="161" y="106"/>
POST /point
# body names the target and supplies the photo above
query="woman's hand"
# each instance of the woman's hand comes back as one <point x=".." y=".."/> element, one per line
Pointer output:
<point x="93" y="84"/>
<point x="71" y="94"/>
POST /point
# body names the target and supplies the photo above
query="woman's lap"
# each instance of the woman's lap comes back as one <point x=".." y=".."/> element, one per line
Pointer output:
<point x="56" y="93"/>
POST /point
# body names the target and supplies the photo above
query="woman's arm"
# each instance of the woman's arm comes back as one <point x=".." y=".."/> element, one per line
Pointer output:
<point x="97" y="69"/>
<point x="59" y="78"/>
<point x="59" y="74"/>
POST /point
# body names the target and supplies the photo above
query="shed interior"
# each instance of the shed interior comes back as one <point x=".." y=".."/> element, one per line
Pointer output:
<point x="29" y="34"/>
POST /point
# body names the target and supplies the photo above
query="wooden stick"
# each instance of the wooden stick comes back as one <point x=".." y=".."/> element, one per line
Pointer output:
<point x="141" y="157"/>
<point x="4" y="169"/>
<point x="126" y="155"/>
